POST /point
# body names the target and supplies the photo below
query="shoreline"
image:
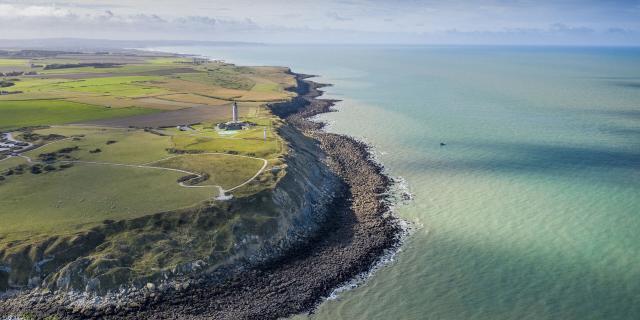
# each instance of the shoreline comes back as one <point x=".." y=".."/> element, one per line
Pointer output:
<point x="361" y="235"/>
<point x="357" y="236"/>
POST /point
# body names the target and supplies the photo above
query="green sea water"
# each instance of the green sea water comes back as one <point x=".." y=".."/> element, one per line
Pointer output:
<point x="530" y="211"/>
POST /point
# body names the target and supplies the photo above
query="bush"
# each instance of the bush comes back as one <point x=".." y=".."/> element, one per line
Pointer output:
<point x="68" y="150"/>
<point x="36" y="169"/>
<point x="186" y="178"/>
<point x="6" y="84"/>
<point x="95" y="150"/>
<point x="48" y="157"/>
<point x="66" y="165"/>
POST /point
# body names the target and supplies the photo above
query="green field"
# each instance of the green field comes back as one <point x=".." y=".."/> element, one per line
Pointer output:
<point x="245" y="142"/>
<point x="227" y="171"/>
<point x="130" y="147"/>
<point x="80" y="176"/>
<point x="133" y="86"/>
<point x="13" y="62"/>
<point x="11" y="162"/>
<point x="17" y="114"/>
<point x="84" y="195"/>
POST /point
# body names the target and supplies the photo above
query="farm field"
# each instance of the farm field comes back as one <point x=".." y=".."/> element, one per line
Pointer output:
<point x="17" y="114"/>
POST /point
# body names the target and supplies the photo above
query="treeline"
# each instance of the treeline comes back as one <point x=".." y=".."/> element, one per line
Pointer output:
<point x="17" y="73"/>
<point x="80" y="65"/>
<point x="33" y="53"/>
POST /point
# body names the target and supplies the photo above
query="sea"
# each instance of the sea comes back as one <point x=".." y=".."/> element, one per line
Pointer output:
<point x="524" y="164"/>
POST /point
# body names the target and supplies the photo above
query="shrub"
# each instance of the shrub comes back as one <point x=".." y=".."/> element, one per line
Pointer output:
<point x="186" y="178"/>
<point x="68" y="150"/>
<point x="48" y="157"/>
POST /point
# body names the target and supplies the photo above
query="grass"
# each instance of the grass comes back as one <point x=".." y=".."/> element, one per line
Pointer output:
<point x="33" y="89"/>
<point x="11" y="162"/>
<point x="226" y="171"/>
<point x="17" y="114"/>
<point x="131" y="146"/>
<point x="266" y="87"/>
<point x="36" y="207"/>
<point x="169" y="60"/>
<point x="221" y="77"/>
<point x="84" y="195"/>
<point x="13" y="62"/>
<point x="133" y="86"/>
<point x="190" y="98"/>
<point x="246" y="143"/>
<point x="122" y="69"/>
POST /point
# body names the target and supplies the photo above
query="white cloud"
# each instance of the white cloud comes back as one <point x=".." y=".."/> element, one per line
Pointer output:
<point x="336" y="20"/>
<point x="10" y="11"/>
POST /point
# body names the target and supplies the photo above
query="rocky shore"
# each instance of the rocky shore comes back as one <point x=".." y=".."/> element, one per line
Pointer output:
<point x="353" y="236"/>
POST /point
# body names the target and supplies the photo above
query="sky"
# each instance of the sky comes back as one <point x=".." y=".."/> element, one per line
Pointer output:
<point x="504" y="22"/>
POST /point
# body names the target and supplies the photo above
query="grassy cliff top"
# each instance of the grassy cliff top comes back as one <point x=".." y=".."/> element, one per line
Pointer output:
<point x="105" y="146"/>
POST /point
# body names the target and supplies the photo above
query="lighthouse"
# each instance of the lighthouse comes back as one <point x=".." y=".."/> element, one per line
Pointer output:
<point x="235" y="123"/>
<point x="234" y="112"/>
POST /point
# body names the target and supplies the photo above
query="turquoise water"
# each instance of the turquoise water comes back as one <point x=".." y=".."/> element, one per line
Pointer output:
<point x="531" y="210"/>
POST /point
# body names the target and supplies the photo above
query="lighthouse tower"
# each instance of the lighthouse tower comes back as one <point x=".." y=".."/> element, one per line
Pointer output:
<point x="234" y="112"/>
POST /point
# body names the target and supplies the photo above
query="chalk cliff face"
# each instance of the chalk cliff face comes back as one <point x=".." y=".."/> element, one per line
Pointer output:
<point x="215" y="238"/>
<point x="303" y="198"/>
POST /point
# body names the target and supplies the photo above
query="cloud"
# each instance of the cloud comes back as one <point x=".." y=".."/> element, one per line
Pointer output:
<point x="563" y="28"/>
<point x="10" y="11"/>
<point x="107" y="20"/>
<point x="335" y="16"/>
<point x="379" y="21"/>
<point x="556" y="34"/>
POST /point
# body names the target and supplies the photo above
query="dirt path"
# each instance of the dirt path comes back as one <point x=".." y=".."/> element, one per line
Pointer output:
<point x="264" y="165"/>
<point x="222" y="192"/>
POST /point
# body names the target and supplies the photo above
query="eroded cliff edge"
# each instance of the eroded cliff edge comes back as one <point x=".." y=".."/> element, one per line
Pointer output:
<point x="330" y="223"/>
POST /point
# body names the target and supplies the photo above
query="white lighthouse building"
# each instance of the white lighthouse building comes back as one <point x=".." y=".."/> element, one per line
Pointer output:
<point x="234" y="112"/>
<point x="235" y="123"/>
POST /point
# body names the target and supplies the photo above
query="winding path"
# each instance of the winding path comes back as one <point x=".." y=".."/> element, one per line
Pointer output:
<point x="222" y="192"/>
